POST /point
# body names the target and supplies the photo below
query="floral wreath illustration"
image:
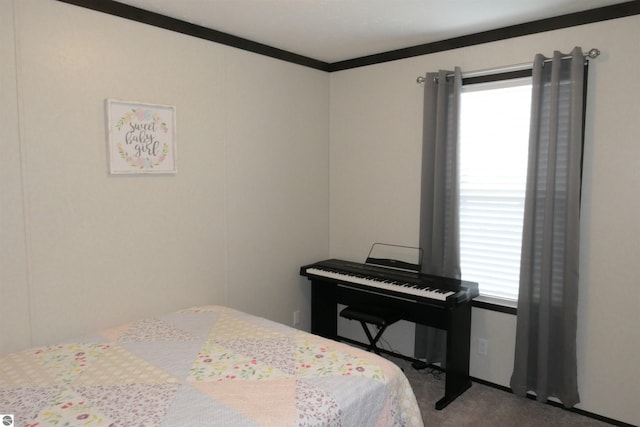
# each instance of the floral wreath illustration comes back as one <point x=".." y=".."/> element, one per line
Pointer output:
<point x="142" y="162"/>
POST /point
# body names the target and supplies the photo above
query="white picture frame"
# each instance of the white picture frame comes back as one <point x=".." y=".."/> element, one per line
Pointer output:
<point x="141" y="137"/>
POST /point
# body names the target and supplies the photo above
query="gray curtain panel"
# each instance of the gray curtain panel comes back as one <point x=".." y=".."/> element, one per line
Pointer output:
<point x="439" y="229"/>
<point x="545" y="354"/>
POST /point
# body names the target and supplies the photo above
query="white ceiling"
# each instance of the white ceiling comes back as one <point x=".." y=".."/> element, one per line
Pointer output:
<point x="337" y="30"/>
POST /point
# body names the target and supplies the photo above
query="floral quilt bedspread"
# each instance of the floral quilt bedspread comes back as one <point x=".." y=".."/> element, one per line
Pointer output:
<point x="204" y="366"/>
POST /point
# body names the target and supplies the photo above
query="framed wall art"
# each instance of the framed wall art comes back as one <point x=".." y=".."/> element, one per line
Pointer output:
<point x="141" y="137"/>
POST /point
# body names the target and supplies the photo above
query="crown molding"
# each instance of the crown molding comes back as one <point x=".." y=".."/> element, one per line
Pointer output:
<point x="121" y="10"/>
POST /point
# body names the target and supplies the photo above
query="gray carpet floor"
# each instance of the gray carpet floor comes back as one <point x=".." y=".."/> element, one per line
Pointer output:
<point x="485" y="406"/>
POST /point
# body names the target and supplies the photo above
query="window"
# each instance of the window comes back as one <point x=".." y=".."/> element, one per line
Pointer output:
<point x="494" y="139"/>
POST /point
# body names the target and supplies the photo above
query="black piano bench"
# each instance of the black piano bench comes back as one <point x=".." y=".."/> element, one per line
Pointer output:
<point x="379" y="316"/>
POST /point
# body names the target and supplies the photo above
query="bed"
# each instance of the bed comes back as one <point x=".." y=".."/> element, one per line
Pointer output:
<point x="204" y="366"/>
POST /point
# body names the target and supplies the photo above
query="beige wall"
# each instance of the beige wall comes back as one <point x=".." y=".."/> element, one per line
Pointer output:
<point x="83" y="249"/>
<point x="374" y="195"/>
<point x="15" y="320"/>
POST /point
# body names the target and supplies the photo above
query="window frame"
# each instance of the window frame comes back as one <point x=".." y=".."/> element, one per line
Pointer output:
<point x="497" y="304"/>
<point x="483" y="301"/>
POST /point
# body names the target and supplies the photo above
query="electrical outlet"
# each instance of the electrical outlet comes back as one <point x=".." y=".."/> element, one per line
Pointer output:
<point x="296" y="317"/>
<point x="483" y="346"/>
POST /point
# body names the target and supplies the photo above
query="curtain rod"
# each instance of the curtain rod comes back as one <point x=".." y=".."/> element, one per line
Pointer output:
<point x="593" y="53"/>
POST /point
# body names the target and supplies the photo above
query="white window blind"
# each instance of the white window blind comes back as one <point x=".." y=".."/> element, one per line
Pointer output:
<point x="494" y="134"/>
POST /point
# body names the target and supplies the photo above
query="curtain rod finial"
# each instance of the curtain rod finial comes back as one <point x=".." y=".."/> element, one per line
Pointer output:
<point x="593" y="53"/>
<point x="420" y="80"/>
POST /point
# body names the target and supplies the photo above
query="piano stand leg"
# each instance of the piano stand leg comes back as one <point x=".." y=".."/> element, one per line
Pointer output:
<point x="442" y="403"/>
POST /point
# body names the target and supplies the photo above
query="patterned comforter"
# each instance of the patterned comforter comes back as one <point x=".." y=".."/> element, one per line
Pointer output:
<point x="204" y="366"/>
